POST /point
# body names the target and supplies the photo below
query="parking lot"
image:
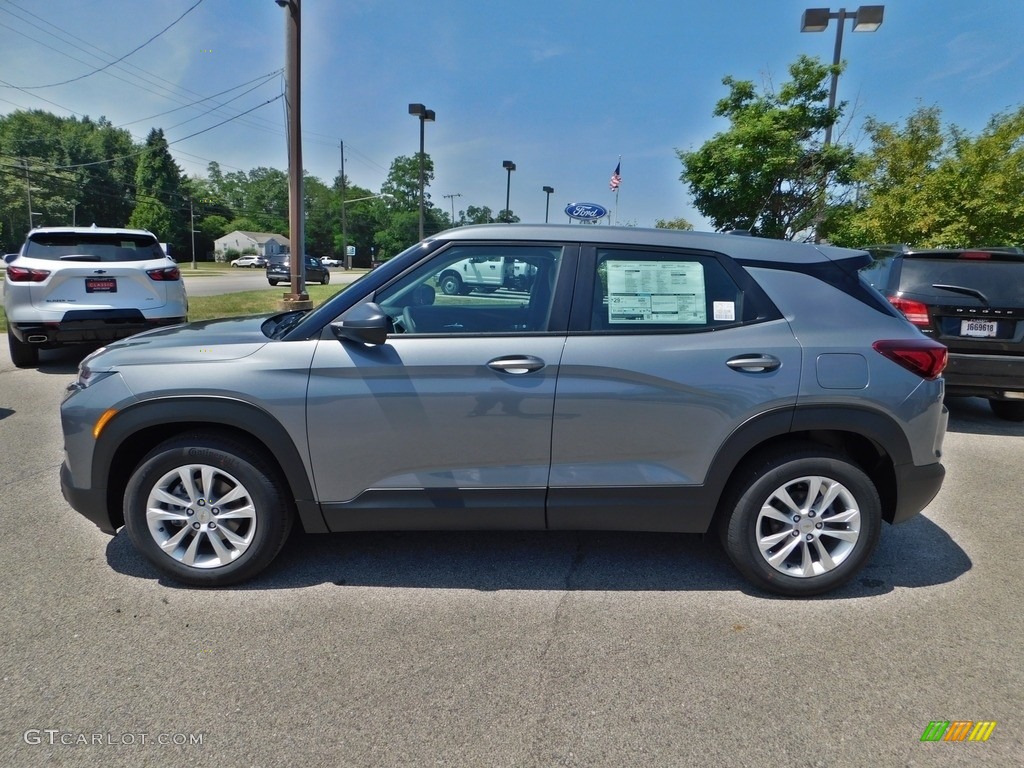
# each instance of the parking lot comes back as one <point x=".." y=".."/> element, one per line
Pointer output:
<point x="523" y="649"/>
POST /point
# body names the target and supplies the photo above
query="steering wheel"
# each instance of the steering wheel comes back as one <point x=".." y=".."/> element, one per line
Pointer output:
<point x="407" y="322"/>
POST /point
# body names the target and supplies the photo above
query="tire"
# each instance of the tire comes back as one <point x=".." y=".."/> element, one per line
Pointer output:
<point x="206" y="510"/>
<point x="326" y="279"/>
<point x="814" y="546"/>
<point x="272" y="282"/>
<point x="23" y="354"/>
<point x="1010" y="410"/>
<point x="450" y="284"/>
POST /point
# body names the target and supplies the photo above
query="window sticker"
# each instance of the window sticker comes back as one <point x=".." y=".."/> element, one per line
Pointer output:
<point x="724" y="310"/>
<point x="653" y="292"/>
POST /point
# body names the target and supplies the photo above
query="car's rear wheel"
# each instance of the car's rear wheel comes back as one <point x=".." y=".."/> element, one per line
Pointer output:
<point x="23" y="354"/>
<point x="326" y="279"/>
<point x="801" y="522"/>
<point x="272" y="282"/>
<point x="206" y="510"/>
<point x="1010" y="410"/>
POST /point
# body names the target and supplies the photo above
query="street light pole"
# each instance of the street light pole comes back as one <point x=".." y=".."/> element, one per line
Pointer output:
<point x="867" y="18"/>
<point x="547" y="201"/>
<point x="509" y="166"/>
<point x="425" y="115"/>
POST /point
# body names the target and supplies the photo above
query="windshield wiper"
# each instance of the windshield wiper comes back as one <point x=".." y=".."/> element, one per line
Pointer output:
<point x="961" y="289"/>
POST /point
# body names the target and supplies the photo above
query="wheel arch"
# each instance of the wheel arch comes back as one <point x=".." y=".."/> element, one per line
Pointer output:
<point x="872" y="440"/>
<point x="133" y="432"/>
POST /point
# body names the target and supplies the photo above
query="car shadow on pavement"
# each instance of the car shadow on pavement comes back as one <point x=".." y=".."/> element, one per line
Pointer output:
<point x="972" y="416"/>
<point x="64" y="360"/>
<point x="917" y="553"/>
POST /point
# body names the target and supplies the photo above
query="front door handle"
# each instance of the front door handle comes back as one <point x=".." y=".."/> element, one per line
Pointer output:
<point x="754" y="363"/>
<point x="517" y="365"/>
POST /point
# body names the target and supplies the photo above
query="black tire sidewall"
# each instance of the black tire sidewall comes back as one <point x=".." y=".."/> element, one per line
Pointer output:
<point x="23" y="354"/>
<point x="453" y="280"/>
<point x="740" y="528"/>
<point x="273" y="513"/>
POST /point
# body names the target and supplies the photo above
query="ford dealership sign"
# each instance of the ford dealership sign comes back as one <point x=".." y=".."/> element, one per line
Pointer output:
<point x="585" y="211"/>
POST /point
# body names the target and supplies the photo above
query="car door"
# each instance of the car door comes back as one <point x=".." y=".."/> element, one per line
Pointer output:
<point x="448" y="423"/>
<point x="668" y="354"/>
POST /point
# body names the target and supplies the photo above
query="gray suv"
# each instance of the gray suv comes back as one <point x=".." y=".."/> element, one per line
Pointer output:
<point x="649" y="380"/>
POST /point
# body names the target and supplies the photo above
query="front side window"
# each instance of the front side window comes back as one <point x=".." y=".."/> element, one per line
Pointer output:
<point x="476" y="289"/>
<point x="638" y="291"/>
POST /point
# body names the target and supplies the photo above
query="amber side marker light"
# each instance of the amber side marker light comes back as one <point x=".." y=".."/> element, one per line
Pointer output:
<point x="102" y="422"/>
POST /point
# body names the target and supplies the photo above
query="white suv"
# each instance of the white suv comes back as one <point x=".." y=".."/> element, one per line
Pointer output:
<point x="74" y="285"/>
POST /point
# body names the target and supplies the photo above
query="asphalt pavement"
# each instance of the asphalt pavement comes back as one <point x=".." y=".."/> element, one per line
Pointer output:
<point x="521" y="649"/>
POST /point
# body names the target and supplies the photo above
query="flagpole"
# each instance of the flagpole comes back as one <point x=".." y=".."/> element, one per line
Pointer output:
<point x="618" y="168"/>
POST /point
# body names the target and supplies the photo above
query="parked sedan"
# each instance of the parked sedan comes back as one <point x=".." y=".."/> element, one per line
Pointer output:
<point x="646" y="380"/>
<point x="279" y="270"/>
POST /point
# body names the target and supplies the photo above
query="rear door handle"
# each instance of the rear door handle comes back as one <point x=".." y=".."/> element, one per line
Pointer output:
<point x="516" y="365"/>
<point x="754" y="363"/>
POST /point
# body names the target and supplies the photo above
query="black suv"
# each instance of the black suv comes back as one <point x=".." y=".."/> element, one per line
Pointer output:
<point x="971" y="300"/>
<point x="279" y="270"/>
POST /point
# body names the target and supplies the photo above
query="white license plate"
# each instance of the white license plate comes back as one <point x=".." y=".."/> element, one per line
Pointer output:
<point x="982" y="328"/>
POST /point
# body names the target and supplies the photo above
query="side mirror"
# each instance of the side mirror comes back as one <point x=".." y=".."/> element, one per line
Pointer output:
<point x="365" y="323"/>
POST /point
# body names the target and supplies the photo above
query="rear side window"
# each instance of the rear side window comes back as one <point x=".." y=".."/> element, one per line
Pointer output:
<point x="93" y="247"/>
<point x="1000" y="281"/>
<point x="640" y="291"/>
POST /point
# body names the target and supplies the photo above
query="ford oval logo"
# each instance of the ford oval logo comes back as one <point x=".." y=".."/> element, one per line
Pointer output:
<point x="585" y="211"/>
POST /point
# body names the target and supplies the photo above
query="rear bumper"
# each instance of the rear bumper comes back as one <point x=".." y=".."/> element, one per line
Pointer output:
<point x="93" y="328"/>
<point x="917" y="486"/>
<point x="984" y="375"/>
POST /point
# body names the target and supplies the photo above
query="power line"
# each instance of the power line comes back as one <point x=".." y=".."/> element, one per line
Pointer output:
<point x="112" y="63"/>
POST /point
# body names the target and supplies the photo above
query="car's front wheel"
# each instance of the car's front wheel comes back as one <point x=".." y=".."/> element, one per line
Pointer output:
<point x="326" y="278"/>
<point x="272" y="282"/>
<point x="802" y="521"/>
<point x="1010" y="410"/>
<point x="207" y="510"/>
<point x="23" y="354"/>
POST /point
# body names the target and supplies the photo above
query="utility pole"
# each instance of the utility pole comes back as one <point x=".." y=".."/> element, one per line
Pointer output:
<point x="298" y="298"/>
<point x="345" y="259"/>
<point x="452" y="198"/>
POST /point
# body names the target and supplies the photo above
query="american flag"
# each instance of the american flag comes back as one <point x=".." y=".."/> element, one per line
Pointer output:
<point x="613" y="185"/>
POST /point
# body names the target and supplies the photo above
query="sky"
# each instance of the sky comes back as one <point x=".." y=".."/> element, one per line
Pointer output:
<point x="562" y="89"/>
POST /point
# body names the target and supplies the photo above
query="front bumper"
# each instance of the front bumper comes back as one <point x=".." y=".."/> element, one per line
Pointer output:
<point x="89" y="502"/>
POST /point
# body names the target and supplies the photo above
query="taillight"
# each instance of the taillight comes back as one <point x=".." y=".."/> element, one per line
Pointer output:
<point x="915" y="311"/>
<point x="22" y="275"/>
<point x="924" y="357"/>
<point x="167" y="274"/>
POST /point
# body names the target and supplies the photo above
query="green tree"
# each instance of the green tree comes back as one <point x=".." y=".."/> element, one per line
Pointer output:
<point x="769" y="172"/>
<point x="80" y="171"/>
<point x="159" y="195"/>
<point x="476" y="215"/>
<point x="679" y="223"/>
<point x="928" y="185"/>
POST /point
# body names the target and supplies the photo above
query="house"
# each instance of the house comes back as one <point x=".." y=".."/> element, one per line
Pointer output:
<point x="261" y="243"/>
